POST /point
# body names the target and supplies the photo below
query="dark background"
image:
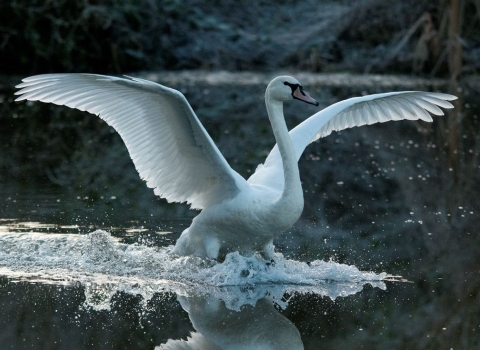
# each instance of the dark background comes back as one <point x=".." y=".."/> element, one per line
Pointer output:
<point x="408" y="202"/>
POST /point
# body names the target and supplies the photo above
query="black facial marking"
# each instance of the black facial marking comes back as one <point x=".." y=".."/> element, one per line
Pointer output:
<point x="294" y="87"/>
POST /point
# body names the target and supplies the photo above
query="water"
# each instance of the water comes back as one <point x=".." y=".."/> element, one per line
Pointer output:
<point x="90" y="285"/>
<point x="98" y="287"/>
<point x="84" y="244"/>
<point x="117" y="287"/>
<point x="77" y="316"/>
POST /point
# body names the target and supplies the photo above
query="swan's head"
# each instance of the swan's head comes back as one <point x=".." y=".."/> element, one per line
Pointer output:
<point x="286" y="88"/>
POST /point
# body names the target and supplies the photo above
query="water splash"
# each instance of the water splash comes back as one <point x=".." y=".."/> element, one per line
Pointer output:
<point x="104" y="266"/>
<point x="100" y="253"/>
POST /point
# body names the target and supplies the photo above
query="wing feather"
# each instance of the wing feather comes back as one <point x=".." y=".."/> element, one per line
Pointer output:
<point x="421" y="113"/>
<point x="345" y="114"/>
<point x="383" y="109"/>
<point x="394" y="112"/>
<point x="430" y="107"/>
<point x="407" y="109"/>
<point x="437" y="101"/>
<point x="373" y="118"/>
<point x="170" y="148"/>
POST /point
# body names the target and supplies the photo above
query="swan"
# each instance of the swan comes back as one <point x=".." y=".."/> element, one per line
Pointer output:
<point x="176" y="157"/>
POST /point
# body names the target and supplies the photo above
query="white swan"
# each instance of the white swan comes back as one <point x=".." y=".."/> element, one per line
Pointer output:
<point x="175" y="155"/>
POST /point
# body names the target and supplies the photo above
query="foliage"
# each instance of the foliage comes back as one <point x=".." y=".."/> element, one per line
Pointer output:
<point x="118" y="36"/>
<point x="78" y="36"/>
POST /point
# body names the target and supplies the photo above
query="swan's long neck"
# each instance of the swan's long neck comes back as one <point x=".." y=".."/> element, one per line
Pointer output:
<point x="292" y="191"/>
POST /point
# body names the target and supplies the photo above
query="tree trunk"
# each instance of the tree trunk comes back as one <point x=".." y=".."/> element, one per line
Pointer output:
<point x="455" y="65"/>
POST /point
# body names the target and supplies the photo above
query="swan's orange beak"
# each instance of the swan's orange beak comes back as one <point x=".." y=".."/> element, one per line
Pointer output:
<point x="301" y="95"/>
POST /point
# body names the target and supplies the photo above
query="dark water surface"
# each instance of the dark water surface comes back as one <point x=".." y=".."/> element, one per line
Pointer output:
<point x="48" y="309"/>
<point x="42" y="310"/>
<point x="84" y="244"/>
<point x="54" y="316"/>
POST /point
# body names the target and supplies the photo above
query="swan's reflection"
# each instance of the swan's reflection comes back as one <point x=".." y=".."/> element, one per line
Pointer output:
<point x="221" y="323"/>
<point x="223" y="317"/>
<point x="253" y="327"/>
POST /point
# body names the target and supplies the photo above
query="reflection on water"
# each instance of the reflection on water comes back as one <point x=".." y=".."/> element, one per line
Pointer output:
<point x="222" y="317"/>
<point x="253" y="327"/>
<point x="257" y="324"/>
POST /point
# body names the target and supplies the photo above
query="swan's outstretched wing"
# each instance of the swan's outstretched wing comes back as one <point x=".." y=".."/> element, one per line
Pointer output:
<point x="169" y="146"/>
<point x="356" y="111"/>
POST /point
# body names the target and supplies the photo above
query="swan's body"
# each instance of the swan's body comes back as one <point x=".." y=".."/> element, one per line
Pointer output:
<point x="175" y="155"/>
